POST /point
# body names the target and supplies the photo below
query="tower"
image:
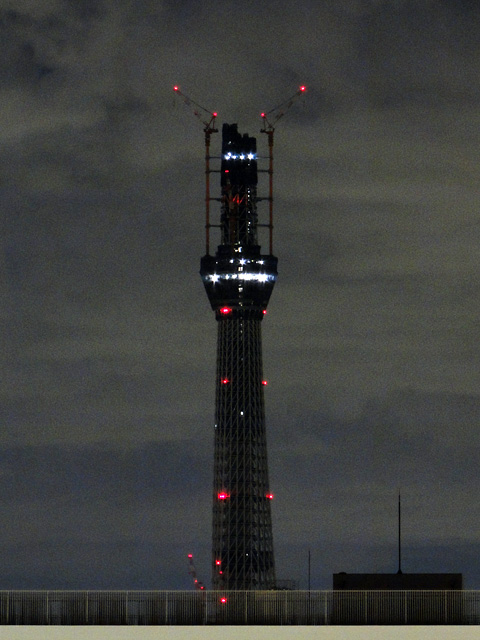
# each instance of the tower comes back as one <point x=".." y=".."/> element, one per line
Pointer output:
<point x="239" y="280"/>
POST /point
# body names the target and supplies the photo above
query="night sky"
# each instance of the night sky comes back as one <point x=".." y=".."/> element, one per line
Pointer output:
<point x="371" y="342"/>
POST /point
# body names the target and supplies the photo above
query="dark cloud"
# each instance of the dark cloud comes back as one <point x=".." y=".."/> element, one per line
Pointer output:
<point x="371" y="341"/>
<point x="94" y="515"/>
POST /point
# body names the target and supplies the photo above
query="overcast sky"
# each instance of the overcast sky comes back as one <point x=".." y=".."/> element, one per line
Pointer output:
<point x="371" y="343"/>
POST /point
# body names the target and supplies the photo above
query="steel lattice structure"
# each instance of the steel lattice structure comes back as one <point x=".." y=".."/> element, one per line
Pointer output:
<point x="239" y="280"/>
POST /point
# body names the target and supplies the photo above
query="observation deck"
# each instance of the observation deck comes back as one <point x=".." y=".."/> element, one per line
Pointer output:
<point x="239" y="281"/>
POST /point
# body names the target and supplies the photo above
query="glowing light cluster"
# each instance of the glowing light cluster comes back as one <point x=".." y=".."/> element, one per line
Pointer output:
<point x="244" y="261"/>
<point x="223" y="496"/>
<point x="245" y="276"/>
<point x="239" y="156"/>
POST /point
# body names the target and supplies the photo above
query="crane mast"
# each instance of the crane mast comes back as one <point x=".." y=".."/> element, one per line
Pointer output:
<point x="208" y="120"/>
<point x="270" y="119"/>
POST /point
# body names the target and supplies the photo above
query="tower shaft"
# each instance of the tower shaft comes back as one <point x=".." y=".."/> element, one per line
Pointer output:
<point x="242" y="526"/>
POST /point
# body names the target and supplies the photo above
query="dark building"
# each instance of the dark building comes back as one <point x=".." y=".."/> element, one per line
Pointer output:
<point x="393" y="581"/>
<point x="398" y="598"/>
<point x="239" y="280"/>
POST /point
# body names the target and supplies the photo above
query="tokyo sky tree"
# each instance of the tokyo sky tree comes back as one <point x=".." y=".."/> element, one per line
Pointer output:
<point x="239" y="280"/>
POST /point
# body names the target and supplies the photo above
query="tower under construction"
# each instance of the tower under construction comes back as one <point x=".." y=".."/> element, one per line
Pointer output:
<point x="239" y="280"/>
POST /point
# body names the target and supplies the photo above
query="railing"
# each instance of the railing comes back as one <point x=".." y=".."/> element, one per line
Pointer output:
<point x="239" y="607"/>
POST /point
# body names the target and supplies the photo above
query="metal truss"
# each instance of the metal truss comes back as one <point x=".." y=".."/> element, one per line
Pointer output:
<point x="242" y="526"/>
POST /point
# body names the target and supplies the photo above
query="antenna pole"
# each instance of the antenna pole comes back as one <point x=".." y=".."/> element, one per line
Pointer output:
<point x="309" y="569"/>
<point x="399" y="535"/>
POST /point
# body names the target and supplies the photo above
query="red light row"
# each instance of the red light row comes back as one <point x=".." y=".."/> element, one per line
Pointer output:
<point x="226" y="311"/>
<point x="224" y="496"/>
<point x="226" y="381"/>
<point x="176" y="88"/>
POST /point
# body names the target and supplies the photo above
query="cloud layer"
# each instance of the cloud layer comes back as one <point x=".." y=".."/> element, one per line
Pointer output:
<point x="371" y="340"/>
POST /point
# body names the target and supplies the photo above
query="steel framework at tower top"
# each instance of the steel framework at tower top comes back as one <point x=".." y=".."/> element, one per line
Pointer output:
<point x="239" y="280"/>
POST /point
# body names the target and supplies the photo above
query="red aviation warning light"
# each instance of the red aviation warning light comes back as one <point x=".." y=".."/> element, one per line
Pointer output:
<point x="269" y="496"/>
<point x="226" y="311"/>
<point x="223" y="600"/>
<point x="223" y="495"/>
<point x="225" y="380"/>
<point x="265" y="383"/>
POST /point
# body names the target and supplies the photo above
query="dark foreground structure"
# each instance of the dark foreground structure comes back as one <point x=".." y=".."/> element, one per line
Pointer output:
<point x="449" y="607"/>
<point x="395" y="607"/>
<point x="396" y="581"/>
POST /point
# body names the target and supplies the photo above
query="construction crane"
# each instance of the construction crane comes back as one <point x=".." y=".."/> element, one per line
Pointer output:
<point x="207" y="118"/>
<point x="199" y="586"/>
<point x="279" y="111"/>
<point x="270" y="119"/>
